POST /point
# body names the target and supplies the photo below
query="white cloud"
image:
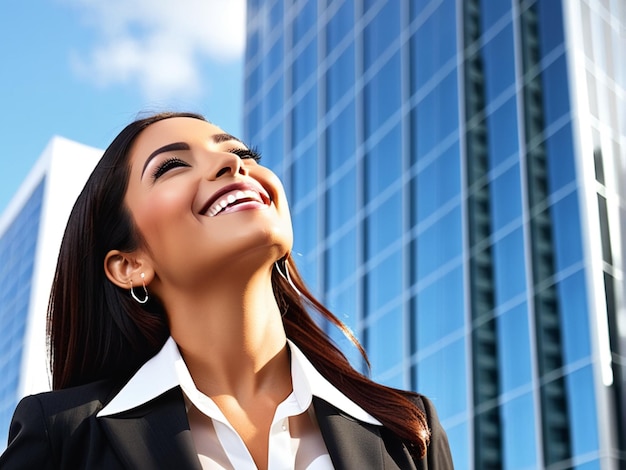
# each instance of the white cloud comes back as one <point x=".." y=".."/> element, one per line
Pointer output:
<point x="159" y="44"/>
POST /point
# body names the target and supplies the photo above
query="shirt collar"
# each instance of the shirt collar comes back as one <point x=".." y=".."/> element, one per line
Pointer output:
<point x="167" y="370"/>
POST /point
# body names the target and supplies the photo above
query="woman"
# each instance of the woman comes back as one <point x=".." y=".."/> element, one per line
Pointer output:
<point x="179" y="331"/>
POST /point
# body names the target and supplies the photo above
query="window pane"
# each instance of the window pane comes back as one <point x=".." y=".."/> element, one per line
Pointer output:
<point x="506" y="194"/>
<point x="382" y="95"/>
<point x="509" y="263"/>
<point x="384" y="225"/>
<point x="514" y="348"/>
<point x="384" y="282"/>
<point x="383" y="165"/>
<point x="439" y="309"/>
<point x="436" y="184"/>
<point x="449" y="388"/>
<point x="439" y="244"/>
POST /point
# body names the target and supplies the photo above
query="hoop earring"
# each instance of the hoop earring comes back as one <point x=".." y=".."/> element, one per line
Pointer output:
<point x="285" y="275"/>
<point x="145" y="290"/>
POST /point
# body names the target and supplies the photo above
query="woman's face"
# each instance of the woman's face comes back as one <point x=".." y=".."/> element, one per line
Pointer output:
<point x="202" y="203"/>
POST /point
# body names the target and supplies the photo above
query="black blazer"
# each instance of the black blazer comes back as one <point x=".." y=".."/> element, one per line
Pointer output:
<point x="59" y="430"/>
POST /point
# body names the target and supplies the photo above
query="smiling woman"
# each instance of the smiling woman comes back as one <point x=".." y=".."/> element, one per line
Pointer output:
<point x="180" y="333"/>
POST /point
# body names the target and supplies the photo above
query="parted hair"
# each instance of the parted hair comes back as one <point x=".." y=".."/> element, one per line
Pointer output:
<point x="96" y="331"/>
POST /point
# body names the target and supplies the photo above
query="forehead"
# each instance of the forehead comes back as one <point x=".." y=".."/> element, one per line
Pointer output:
<point x="167" y="131"/>
<point x="177" y="128"/>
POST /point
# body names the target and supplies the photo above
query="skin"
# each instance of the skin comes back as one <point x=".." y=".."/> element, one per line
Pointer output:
<point x="212" y="274"/>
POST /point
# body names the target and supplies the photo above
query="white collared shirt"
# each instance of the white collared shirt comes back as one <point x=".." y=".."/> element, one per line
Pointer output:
<point x="218" y="445"/>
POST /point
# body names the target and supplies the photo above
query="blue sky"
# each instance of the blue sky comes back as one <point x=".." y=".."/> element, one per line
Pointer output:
<point x="83" y="69"/>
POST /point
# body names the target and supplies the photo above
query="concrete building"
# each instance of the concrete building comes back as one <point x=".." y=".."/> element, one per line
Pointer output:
<point x="31" y="229"/>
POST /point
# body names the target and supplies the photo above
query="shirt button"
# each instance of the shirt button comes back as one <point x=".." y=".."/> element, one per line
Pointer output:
<point x="285" y="425"/>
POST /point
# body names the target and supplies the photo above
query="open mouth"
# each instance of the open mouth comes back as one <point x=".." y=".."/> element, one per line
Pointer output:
<point x="234" y="195"/>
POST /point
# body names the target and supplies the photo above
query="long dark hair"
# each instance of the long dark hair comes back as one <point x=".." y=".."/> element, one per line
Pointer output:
<point x="96" y="331"/>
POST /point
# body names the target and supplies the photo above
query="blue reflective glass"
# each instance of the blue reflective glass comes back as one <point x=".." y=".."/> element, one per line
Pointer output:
<point x="509" y="266"/>
<point x="340" y="24"/>
<point x="276" y="15"/>
<point x="499" y="63"/>
<point x="17" y="245"/>
<point x="583" y="412"/>
<point x="383" y="165"/>
<point x="514" y="348"/>
<point x="502" y="137"/>
<point x="304" y="173"/>
<point x="384" y="340"/>
<point x="342" y="302"/>
<point x="305" y="64"/>
<point x="305" y="229"/>
<point x="440" y="243"/>
<point x="518" y="433"/>
<point x="566" y="232"/>
<point x="555" y="90"/>
<point x="560" y="158"/>
<point x="436" y="184"/>
<point x="436" y="116"/>
<point x="341" y="139"/>
<point x="439" y="309"/>
<point x="506" y="198"/>
<point x="274" y="101"/>
<point x="450" y="387"/>
<point x="341" y="259"/>
<point x="434" y="42"/>
<point x="274" y="60"/>
<point x="550" y="25"/>
<point x="305" y="19"/>
<point x="574" y="317"/>
<point x="273" y="150"/>
<point x="340" y="77"/>
<point x="304" y="116"/>
<point x="382" y="95"/>
<point x="458" y="439"/>
<point x="341" y="203"/>
<point x="381" y="32"/>
<point x="384" y="282"/>
<point x="493" y="10"/>
<point x="384" y="225"/>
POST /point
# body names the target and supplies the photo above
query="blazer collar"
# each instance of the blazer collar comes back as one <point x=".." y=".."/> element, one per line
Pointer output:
<point x="154" y="435"/>
<point x="353" y="444"/>
<point x="157" y="435"/>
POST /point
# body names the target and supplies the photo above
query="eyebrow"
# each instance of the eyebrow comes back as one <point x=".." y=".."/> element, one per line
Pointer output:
<point x="216" y="138"/>
<point x="166" y="148"/>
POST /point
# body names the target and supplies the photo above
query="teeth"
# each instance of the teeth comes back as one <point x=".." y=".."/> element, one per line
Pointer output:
<point x="230" y="198"/>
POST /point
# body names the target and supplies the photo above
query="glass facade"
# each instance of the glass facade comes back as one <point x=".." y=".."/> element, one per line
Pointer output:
<point x="428" y="149"/>
<point x="17" y="257"/>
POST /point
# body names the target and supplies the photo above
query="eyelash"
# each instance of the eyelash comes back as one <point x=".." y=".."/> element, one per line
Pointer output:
<point x="175" y="162"/>
<point x="244" y="154"/>
<point x="168" y="165"/>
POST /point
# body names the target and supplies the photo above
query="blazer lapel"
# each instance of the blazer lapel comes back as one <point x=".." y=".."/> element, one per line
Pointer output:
<point x="154" y="435"/>
<point x="354" y="445"/>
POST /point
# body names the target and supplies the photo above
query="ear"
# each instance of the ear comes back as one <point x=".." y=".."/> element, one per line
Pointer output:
<point x="121" y="268"/>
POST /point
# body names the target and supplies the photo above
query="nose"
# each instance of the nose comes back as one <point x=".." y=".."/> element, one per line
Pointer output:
<point x="226" y="163"/>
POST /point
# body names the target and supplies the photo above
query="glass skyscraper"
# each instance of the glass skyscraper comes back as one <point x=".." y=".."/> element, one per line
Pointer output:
<point x="30" y="235"/>
<point x="456" y="176"/>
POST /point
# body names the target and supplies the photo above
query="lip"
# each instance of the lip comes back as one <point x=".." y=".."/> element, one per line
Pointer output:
<point x="239" y="186"/>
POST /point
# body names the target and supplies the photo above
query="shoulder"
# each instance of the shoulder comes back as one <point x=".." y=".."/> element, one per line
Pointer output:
<point x="79" y="401"/>
<point x="438" y="454"/>
<point x="41" y="423"/>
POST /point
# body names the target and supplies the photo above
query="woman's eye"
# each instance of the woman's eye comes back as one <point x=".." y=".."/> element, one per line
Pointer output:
<point x="168" y="165"/>
<point x="246" y="154"/>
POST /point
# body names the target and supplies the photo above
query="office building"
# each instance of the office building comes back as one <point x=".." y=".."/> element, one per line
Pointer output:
<point x="31" y="229"/>
<point x="456" y="179"/>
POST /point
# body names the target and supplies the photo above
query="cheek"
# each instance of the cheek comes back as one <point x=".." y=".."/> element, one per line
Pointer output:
<point x="162" y="212"/>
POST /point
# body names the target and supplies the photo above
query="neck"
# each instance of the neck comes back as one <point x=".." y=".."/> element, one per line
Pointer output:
<point x="231" y="335"/>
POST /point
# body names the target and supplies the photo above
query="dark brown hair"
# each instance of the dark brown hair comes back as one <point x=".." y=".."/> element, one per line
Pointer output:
<point x="97" y="331"/>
